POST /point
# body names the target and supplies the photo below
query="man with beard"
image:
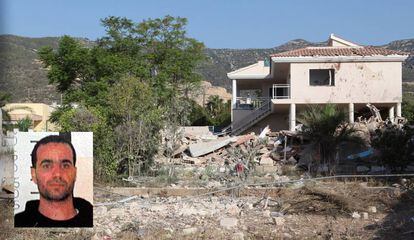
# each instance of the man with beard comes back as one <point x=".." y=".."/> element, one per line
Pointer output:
<point x="54" y="171"/>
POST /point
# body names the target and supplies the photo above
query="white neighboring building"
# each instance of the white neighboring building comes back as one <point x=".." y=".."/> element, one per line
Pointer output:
<point x="272" y="92"/>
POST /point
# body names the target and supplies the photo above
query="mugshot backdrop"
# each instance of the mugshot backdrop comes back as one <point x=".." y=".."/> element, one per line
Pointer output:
<point x="26" y="190"/>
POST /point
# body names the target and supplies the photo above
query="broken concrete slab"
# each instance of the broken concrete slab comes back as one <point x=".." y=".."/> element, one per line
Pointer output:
<point x="199" y="149"/>
<point x="179" y="150"/>
<point x="266" y="161"/>
<point x="264" y="132"/>
<point x="228" y="222"/>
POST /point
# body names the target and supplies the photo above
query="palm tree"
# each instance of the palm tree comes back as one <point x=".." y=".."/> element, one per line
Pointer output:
<point x="326" y="128"/>
<point x="214" y="105"/>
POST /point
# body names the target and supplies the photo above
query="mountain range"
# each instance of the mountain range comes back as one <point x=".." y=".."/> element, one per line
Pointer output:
<point x="22" y="74"/>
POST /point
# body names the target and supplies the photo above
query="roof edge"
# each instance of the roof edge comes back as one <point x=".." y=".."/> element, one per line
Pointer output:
<point x="388" y="58"/>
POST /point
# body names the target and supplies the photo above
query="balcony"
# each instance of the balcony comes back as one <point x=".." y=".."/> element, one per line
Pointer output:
<point x="281" y="91"/>
<point x="250" y="103"/>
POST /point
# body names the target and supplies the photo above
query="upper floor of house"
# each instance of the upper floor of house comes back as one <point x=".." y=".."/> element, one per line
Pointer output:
<point x="340" y="72"/>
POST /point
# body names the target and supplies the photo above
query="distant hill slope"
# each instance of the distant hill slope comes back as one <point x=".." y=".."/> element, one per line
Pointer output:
<point x="22" y="74"/>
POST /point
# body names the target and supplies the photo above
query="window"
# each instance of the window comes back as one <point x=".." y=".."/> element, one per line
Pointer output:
<point x="322" y="77"/>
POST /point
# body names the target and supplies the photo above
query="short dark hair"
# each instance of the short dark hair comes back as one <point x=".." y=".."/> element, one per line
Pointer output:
<point x="51" y="139"/>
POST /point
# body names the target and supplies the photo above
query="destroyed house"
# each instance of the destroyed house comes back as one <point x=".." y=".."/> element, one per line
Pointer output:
<point x="274" y="91"/>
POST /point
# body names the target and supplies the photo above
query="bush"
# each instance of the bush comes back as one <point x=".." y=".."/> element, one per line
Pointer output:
<point x="393" y="143"/>
<point x="408" y="107"/>
<point x="24" y="124"/>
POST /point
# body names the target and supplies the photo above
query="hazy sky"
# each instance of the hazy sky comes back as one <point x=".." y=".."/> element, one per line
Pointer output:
<point x="221" y="23"/>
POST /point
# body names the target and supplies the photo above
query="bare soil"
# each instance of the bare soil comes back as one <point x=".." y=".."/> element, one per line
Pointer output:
<point x="314" y="211"/>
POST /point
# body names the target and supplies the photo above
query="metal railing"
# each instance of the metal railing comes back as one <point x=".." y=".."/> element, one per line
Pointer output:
<point x="281" y="91"/>
<point x="256" y="115"/>
<point x="250" y="103"/>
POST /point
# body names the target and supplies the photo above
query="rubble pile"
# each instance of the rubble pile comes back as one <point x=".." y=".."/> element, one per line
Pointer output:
<point x="266" y="152"/>
<point x="270" y="151"/>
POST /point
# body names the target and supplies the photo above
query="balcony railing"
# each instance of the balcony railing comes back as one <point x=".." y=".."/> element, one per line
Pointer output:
<point x="247" y="103"/>
<point x="281" y="91"/>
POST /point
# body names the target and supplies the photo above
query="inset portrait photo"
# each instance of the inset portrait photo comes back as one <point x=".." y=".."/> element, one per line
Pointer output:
<point x="53" y="175"/>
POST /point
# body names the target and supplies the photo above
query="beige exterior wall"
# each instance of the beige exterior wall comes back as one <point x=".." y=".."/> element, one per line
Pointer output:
<point x="355" y="82"/>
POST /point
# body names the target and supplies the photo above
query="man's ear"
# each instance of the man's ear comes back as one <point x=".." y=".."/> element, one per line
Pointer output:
<point x="76" y="170"/>
<point x="33" y="173"/>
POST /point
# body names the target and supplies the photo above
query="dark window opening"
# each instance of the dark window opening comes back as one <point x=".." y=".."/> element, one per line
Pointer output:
<point x="322" y="77"/>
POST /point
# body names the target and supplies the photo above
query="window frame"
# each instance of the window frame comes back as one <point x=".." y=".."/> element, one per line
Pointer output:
<point x="331" y="80"/>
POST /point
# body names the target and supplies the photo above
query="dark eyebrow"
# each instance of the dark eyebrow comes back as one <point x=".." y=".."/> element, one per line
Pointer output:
<point x="67" y="161"/>
<point x="45" y="161"/>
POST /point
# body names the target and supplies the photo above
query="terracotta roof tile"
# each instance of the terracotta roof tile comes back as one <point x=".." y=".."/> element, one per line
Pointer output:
<point x="338" y="51"/>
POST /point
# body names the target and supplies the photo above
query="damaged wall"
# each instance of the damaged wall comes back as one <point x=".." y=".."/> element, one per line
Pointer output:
<point x="357" y="82"/>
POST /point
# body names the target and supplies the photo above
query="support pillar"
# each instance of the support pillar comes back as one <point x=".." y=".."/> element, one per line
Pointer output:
<point x="234" y="97"/>
<point x="292" y="117"/>
<point x="351" y="113"/>
<point x="391" y="114"/>
<point x="399" y="109"/>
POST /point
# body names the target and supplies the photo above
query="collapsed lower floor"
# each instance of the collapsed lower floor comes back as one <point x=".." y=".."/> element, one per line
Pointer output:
<point x="286" y="116"/>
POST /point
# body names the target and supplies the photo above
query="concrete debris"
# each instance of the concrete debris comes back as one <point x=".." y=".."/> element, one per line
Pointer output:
<point x="269" y="151"/>
<point x="238" y="236"/>
<point x="203" y="148"/>
<point x="233" y="210"/>
<point x="375" y="112"/>
<point x="228" y="222"/>
<point x="189" y="231"/>
<point x="266" y="213"/>
<point x="264" y="132"/>
<point x="180" y="150"/>
<point x="243" y="139"/>
<point x="266" y="161"/>
<point x="356" y="215"/>
<point x="279" y="221"/>
<point x="372" y="209"/>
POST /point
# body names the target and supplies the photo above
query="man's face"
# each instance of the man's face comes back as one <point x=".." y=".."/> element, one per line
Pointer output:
<point x="55" y="173"/>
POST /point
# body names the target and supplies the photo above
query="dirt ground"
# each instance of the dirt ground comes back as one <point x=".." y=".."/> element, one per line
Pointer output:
<point x="324" y="210"/>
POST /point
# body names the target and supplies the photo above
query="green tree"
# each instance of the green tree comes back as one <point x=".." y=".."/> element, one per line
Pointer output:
<point x="93" y="119"/>
<point x="326" y="127"/>
<point x="155" y="57"/>
<point x="138" y="122"/>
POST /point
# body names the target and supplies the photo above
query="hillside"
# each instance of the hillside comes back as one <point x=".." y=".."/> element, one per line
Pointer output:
<point x="22" y="74"/>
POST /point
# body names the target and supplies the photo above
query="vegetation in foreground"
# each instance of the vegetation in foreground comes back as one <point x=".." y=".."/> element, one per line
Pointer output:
<point x="134" y="82"/>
